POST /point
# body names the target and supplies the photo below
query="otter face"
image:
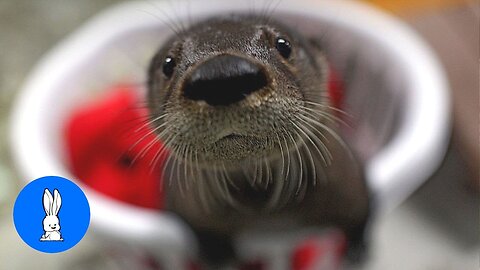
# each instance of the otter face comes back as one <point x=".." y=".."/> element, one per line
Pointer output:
<point x="232" y="89"/>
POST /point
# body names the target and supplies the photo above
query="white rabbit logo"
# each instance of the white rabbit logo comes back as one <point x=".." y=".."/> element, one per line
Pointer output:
<point x="51" y="223"/>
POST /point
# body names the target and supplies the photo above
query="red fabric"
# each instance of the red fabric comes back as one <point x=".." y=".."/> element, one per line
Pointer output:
<point x="320" y="252"/>
<point x="335" y="88"/>
<point x="104" y="142"/>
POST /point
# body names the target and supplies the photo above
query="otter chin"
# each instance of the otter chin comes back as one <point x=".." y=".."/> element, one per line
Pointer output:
<point x="240" y="102"/>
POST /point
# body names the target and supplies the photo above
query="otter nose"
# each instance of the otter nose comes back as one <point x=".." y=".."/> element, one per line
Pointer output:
<point x="224" y="80"/>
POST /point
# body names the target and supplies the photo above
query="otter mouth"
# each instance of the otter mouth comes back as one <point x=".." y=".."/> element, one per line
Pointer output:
<point x="234" y="147"/>
<point x="234" y="140"/>
<point x="234" y="137"/>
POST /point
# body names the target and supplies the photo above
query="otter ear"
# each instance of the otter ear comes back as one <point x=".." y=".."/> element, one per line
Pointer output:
<point x="47" y="202"/>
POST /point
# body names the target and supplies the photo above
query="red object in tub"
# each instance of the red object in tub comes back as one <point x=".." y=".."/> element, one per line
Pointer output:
<point x="105" y="141"/>
<point x="325" y="252"/>
<point x="335" y="88"/>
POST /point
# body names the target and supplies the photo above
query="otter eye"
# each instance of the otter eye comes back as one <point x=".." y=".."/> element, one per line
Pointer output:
<point x="168" y="66"/>
<point x="283" y="47"/>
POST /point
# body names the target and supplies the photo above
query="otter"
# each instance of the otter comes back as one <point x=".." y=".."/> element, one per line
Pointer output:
<point x="241" y="104"/>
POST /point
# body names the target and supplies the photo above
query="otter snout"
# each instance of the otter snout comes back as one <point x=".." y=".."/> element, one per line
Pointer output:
<point x="224" y="80"/>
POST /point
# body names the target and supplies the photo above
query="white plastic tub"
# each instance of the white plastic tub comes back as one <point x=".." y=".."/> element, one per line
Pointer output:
<point x="402" y="114"/>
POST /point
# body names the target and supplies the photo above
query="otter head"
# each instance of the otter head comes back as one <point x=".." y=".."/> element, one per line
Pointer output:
<point x="234" y="88"/>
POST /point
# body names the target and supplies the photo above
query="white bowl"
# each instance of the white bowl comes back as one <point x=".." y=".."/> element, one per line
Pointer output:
<point x="408" y="136"/>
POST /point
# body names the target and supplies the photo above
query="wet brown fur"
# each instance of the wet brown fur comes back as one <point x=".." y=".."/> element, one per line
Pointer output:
<point x="224" y="185"/>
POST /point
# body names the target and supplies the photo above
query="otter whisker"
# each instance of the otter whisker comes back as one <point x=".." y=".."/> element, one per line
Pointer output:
<point x="228" y="183"/>
<point x="211" y="179"/>
<point x="282" y="170"/>
<point x="143" y="138"/>
<point x="252" y="174"/>
<point x="316" y="140"/>
<point x="180" y="159"/>
<point x="331" y="132"/>
<point x="329" y="107"/>
<point x="315" y="124"/>
<point x="321" y="114"/>
<point x="151" y="121"/>
<point x="222" y="184"/>
<point x="305" y="119"/>
<point x="174" y="9"/>
<point x="328" y="116"/>
<point x="145" y="120"/>
<point x="162" y="133"/>
<point x="170" y="22"/>
<point x="144" y="151"/>
<point x="288" y="157"/>
<point x="306" y="149"/>
<point x="189" y="13"/>
<point x="187" y="164"/>
<point x="161" y="151"/>
<point x="172" y="27"/>
<point x="201" y="187"/>
<point x="134" y="122"/>
<point x="192" y="164"/>
<point x="278" y="183"/>
<point x="165" y="149"/>
<point x="171" y="167"/>
<point x="232" y="183"/>
<point x="300" y="161"/>
<point x="312" y="137"/>
<point x="268" y="173"/>
<point x="197" y="168"/>
<point x="165" y="165"/>
<point x="139" y="123"/>
<point x="258" y="173"/>
<point x="267" y="14"/>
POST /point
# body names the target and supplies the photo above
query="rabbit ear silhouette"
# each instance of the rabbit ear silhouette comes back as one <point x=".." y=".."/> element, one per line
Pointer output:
<point x="47" y="202"/>
<point x="57" y="202"/>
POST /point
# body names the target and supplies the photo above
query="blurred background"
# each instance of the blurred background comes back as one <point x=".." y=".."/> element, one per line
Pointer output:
<point x="437" y="228"/>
